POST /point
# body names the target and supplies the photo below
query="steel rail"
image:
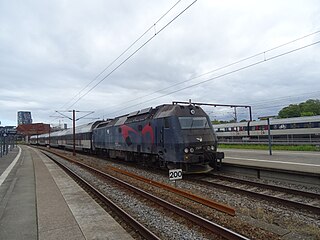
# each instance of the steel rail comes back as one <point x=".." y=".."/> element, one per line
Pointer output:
<point x="285" y="202"/>
<point x="202" y="222"/>
<point x="207" y="202"/>
<point x="146" y="233"/>
<point x="268" y="186"/>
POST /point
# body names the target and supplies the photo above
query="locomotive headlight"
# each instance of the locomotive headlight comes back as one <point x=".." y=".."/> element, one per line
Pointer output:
<point x="192" y="150"/>
<point x="186" y="150"/>
<point x="208" y="148"/>
<point x="212" y="148"/>
<point x="192" y="111"/>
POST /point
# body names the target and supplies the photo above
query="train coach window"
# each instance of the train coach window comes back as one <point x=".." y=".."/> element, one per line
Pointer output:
<point x="300" y="125"/>
<point x="282" y="126"/>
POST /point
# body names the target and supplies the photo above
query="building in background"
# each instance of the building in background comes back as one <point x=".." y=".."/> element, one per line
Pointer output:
<point x="27" y="130"/>
<point x="24" y="118"/>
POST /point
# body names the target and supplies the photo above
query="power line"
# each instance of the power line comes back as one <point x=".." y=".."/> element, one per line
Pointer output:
<point x="264" y="107"/>
<point x="125" y="51"/>
<point x="222" y="75"/>
<point x="242" y="60"/>
<point x="221" y="68"/>
<point x="262" y="103"/>
<point x="138" y="49"/>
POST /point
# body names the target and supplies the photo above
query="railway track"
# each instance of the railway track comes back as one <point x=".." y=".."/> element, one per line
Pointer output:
<point x="207" y="202"/>
<point x="297" y="199"/>
<point x="198" y="220"/>
<point x="145" y="232"/>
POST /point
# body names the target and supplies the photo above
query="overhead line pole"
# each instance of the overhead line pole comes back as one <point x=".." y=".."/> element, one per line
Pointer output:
<point x="73" y="119"/>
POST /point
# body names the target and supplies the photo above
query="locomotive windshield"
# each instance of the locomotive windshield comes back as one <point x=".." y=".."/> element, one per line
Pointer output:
<point x="193" y="122"/>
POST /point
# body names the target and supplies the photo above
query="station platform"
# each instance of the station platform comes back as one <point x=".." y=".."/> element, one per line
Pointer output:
<point x="38" y="200"/>
<point x="303" y="162"/>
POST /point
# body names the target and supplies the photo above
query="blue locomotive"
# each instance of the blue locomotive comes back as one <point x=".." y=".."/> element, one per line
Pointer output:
<point x="170" y="136"/>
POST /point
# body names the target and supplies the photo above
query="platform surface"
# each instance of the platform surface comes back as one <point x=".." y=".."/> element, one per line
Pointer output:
<point x="38" y="200"/>
<point x="308" y="162"/>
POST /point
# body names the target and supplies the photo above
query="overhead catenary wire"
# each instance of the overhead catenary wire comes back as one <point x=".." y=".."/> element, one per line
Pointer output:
<point x="121" y="54"/>
<point x="261" y="104"/>
<point x="221" y="68"/>
<point x="134" y="52"/>
<point x="125" y="51"/>
<point x="258" y="110"/>
<point x="221" y="75"/>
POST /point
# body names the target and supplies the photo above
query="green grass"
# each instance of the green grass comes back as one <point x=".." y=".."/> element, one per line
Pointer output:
<point x="274" y="147"/>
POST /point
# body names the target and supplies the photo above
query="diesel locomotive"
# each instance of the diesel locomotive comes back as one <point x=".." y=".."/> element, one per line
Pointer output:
<point x="170" y="136"/>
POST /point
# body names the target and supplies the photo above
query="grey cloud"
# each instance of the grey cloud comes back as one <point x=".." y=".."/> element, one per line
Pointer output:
<point x="50" y="50"/>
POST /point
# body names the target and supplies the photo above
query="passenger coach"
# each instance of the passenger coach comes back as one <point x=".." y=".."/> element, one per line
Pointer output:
<point x="299" y="130"/>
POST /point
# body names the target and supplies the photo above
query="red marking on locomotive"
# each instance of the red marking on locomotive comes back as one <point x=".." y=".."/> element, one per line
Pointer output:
<point x="126" y="130"/>
<point x="148" y="129"/>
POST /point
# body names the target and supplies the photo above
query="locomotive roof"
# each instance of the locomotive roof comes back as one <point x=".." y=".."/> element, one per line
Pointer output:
<point x="85" y="128"/>
<point x="178" y="110"/>
<point x="160" y="111"/>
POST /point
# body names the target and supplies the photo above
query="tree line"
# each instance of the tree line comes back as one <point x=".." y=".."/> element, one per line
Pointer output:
<point x="310" y="107"/>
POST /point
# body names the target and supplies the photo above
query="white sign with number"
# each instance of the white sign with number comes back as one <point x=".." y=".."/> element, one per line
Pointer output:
<point x="175" y="174"/>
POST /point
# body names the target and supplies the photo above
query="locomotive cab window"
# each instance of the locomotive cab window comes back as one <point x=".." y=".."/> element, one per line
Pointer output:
<point x="193" y="122"/>
<point x="166" y="123"/>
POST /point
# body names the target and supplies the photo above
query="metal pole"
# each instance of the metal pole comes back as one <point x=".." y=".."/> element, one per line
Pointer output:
<point x="0" y="144"/>
<point x="74" y="131"/>
<point x="73" y="119"/>
<point x="5" y="149"/>
<point x="269" y="137"/>
<point x="10" y="142"/>
<point x="49" y="136"/>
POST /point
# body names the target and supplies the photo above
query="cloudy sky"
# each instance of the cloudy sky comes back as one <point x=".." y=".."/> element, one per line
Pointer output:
<point x="68" y="54"/>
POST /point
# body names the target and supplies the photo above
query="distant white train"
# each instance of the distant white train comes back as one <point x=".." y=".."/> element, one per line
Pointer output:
<point x="64" y="138"/>
<point x="299" y="130"/>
